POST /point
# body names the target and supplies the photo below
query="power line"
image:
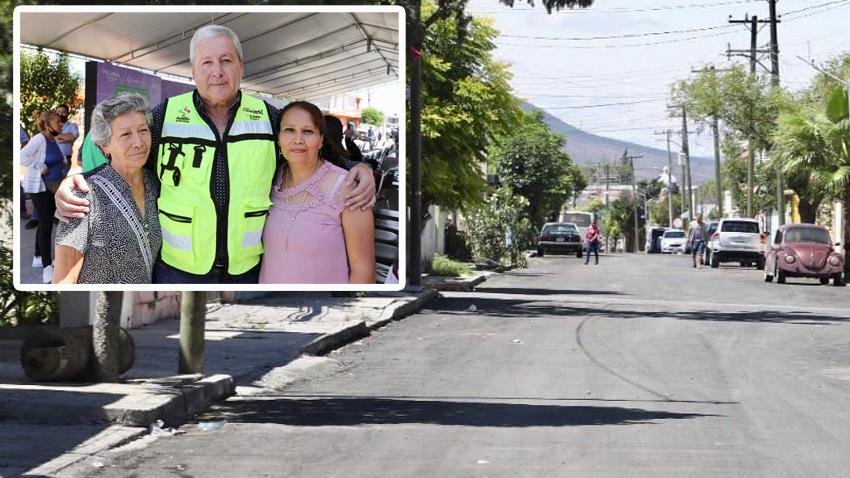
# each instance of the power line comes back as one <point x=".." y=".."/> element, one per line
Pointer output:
<point x="625" y="35"/>
<point x="635" y="10"/>
<point x="602" y="105"/>
<point x="617" y="46"/>
<point x="814" y="7"/>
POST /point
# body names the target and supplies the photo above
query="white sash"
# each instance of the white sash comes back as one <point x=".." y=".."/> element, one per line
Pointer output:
<point x="128" y="213"/>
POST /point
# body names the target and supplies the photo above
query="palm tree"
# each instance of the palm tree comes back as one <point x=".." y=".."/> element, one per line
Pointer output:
<point x="837" y="174"/>
<point x="802" y="149"/>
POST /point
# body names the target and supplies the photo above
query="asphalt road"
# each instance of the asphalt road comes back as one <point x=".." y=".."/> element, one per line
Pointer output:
<point x="641" y="366"/>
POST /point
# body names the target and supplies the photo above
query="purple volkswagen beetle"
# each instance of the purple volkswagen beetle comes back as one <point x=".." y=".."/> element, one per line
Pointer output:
<point x="803" y="250"/>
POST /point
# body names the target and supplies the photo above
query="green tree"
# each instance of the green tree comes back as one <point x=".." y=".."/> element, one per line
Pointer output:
<point x="372" y="116"/>
<point x="47" y="83"/>
<point x="531" y="163"/>
<point x="659" y="210"/>
<point x="498" y="227"/>
<point x="746" y="108"/>
<point x="465" y="95"/>
<point x="804" y="147"/>
<point x="466" y="101"/>
<point x="837" y="174"/>
<point x="621" y="221"/>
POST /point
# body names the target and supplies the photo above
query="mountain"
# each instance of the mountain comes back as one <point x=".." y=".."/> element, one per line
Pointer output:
<point x="586" y="148"/>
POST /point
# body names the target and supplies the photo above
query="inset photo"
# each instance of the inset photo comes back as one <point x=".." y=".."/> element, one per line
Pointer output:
<point x="192" y="148"/>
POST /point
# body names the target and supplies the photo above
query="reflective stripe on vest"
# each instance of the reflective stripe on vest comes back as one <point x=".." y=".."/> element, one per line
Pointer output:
<point x="188" y="215"/>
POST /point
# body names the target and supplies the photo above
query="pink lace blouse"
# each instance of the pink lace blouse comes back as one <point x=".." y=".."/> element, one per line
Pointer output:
<point x="315" y="253"/>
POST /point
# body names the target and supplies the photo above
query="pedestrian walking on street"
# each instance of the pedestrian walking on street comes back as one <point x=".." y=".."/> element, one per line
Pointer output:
<point x="697" y="235"/>
<point x="592" y="241"/>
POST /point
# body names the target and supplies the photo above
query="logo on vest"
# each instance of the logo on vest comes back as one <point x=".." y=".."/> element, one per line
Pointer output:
<point x="183" y="118"/>
<point x="253" y="115"/>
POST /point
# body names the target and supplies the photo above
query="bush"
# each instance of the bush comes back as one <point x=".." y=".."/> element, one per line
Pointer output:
<point x="444" y="266"/>
<point x="457" y="243"/>
<point x="499" y="229"/>
<point x="19" y="307"/>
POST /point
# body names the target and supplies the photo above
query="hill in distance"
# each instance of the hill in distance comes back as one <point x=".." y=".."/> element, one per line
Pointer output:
<point x="586" y="148"/>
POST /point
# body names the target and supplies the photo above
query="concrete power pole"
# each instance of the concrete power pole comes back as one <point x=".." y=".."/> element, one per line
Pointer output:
<point x="669" y="178"/>
<point x="774" y="71"/>
<point x="715" y="127"/>
<point x="686" y="151"/>
<point x="631" y="160"/>
<point x="752" y="55"/>
<point x="715" y="131"/>
<point x="607" y="193"/>
<point x="669" y="181"/>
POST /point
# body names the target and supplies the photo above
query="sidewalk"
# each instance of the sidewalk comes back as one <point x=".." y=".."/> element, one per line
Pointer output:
<point x="50" y="426"/>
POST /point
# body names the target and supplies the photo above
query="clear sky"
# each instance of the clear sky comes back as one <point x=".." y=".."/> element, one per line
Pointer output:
<point x="583" y="65"/>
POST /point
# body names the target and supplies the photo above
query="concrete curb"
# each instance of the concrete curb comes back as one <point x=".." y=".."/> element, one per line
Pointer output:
<point x="456" y="284"/>
<point x="175" y="405"/>
<point x="408" y="307"/>
<point x="172" y="405"/>
<point x="113" y="437"/>
<point x="331" y="341"/>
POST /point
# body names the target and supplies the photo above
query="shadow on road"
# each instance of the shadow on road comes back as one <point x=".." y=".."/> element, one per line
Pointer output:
<point x="380" y="411"/>
<point x="537" y="291"/>
<point x="26" y="442"/>
<point x="518" y="308"/>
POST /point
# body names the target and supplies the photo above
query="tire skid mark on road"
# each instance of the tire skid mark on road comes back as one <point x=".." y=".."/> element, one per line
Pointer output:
<point x="660" y="304"/>
<point x="608" y="369"/>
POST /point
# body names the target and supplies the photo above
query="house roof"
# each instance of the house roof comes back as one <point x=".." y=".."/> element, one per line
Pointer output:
<point x="305" y="55"/>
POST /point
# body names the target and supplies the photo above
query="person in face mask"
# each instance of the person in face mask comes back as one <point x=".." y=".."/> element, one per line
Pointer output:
<point x="43" y="161"/>
<point x="69" y="133"/>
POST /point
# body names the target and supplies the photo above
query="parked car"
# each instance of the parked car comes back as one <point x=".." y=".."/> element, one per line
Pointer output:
<point x="560" y="237"/>
<point x="737" y="240"/>
<point x="803" y="250"/>
<point x="653" y="239"/>
<point x="673" y="241"/>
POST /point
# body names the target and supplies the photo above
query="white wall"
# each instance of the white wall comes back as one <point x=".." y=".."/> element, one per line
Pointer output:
<point x="434" y="237"/>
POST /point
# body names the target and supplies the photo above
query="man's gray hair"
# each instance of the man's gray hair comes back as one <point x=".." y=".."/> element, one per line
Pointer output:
<point x="211" y="31"/>
<point x="109" y="109"/>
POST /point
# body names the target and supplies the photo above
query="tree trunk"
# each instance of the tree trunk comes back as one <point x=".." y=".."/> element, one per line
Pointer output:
<point x="808" y="211"/>
<point x="105" y="336"/>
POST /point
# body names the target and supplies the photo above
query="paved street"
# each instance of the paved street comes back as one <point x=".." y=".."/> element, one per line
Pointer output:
<point x="641" y="366"/>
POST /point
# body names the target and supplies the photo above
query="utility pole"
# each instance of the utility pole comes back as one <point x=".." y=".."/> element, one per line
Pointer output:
<point x="607" y="193"/>
<point x="715" y="130"/>
<point x="774" y="71"/>
<point x="416" y="36"/>
<point x="774" y="43"/>
<point x="686" y="149"/>
<point x="669" y="179"/>
<point x="752" y="55"/>
<point x="683" y="188"/>
<point x="631" y="160"/>
<point x="751" y="160"/>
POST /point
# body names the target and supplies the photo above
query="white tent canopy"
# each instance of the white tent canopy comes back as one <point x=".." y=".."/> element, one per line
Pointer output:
<point x="301" y="55"/>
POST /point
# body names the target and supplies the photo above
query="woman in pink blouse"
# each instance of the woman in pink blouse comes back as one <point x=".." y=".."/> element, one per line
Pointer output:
<point x="310" y="237"/>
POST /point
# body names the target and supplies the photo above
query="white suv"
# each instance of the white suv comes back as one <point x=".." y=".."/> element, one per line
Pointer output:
<point x="737" y="240"/>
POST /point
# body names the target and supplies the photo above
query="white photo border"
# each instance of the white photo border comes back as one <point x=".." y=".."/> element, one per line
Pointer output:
<point x="402" y="149"/>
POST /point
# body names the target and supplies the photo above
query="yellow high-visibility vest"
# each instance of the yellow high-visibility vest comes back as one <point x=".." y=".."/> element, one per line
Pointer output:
<point x="196" y="237"/>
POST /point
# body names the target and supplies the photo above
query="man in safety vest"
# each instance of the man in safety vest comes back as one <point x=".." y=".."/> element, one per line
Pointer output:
<point x="215" y="153"/>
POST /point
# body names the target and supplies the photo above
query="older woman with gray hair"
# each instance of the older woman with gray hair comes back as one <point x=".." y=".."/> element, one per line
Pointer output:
<point x="119" y="240"/>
